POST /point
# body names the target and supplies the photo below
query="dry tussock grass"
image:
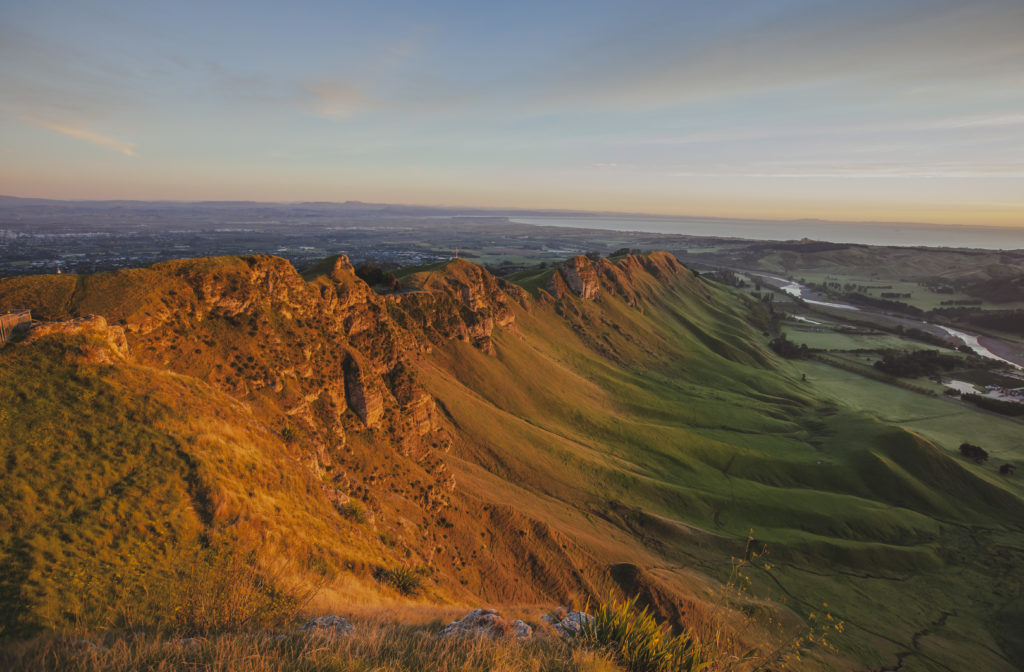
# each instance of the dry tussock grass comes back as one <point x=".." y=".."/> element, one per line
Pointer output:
<point x="376" y="645"/>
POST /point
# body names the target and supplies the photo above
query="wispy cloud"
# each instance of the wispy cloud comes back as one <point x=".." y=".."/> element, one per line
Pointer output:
<point x="335" y="99"/>
<point x="119" y="146"/>
<point x="881" y="171"/>
<point x="852" y="47"/>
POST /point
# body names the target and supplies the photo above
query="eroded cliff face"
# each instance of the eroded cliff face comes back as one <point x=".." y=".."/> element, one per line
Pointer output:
<point x="586" y="279"/>
<point x="577" y="276"/>
<point x="462" y="302"/>
<point x="331" y="367"/>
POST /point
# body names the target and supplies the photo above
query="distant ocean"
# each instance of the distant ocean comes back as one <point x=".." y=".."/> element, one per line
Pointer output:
<point x="867" y="233"/>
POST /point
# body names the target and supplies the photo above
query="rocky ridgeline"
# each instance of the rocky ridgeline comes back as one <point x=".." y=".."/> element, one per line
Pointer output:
<point x="585" y="278"/>
<point x="332" y="367"/>
<point x="328" y="353"/>
<point x="463" y="302"/>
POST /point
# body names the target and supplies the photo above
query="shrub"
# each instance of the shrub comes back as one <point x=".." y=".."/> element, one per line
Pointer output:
<point x="403" y="579"/>
<point x="637" y="641"/>
<point x="354" y="510"/>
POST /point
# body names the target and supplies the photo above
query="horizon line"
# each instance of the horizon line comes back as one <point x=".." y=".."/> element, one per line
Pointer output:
<point x="514" y="210"/>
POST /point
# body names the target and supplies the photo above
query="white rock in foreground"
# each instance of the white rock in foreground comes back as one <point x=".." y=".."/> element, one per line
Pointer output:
<point x="328" y="626"/>
<point x="571" y="624"/>
<point x="486" y="622"/>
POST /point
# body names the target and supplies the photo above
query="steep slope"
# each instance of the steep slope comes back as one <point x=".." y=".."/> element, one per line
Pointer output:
<point x="616" y="422"/>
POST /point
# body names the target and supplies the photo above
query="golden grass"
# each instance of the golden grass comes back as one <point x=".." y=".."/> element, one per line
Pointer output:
<point x="375" y="645"/>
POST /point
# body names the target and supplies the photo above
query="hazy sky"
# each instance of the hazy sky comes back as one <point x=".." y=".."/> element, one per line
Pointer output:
<point x="890" y="109"/>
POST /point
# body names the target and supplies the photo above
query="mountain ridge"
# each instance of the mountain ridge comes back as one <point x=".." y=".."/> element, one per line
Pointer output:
<point x="515" y="443"/>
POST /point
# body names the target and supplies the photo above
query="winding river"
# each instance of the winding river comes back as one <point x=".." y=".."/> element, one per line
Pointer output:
<point x="970" y="340"/>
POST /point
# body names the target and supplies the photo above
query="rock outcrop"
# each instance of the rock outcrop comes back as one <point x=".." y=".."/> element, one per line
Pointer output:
<point x="568" y="624"/>
<point x="103" y="344"/>
<point x="585" y="278"/>
<point x="576" y="276"/>
<point x="333" y="371"/>
<point x="486" y="623"/>
<point x="462" y="302"/>
<point x="328" y="626"/>
<point x="364" y="398"/>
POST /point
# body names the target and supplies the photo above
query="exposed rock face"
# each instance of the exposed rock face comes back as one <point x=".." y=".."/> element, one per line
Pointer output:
<point x="585" y="279"/>
<point x="616" y="278"/>
<point x="463" y="302"/>
<point x="569" y="624"/>
<point x="486" y="623"/>
<point x="319" y="362"/>
<point x="328" y="626"/>
<point x="104" y="344"/>
<point x="362" y="397"/>
<point x="578" y="276"/>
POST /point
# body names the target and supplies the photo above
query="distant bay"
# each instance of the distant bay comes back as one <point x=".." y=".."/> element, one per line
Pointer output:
<point x="864" y="233"/>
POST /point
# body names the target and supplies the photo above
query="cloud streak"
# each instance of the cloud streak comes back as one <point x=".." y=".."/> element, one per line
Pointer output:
<point x="98" y="139"/>
<point x="853" y="47"/>
<point x="336" y="99"/>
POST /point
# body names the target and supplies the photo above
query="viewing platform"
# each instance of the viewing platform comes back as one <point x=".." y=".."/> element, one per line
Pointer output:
<point x="12" y="322"/>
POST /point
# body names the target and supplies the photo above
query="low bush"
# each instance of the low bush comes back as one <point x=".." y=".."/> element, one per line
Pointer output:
<point x="403" y="579"/>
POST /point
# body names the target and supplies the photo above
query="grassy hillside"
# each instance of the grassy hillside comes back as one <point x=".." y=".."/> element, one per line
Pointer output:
<point x="507" y="446"/>
<point x="653" y="422"/>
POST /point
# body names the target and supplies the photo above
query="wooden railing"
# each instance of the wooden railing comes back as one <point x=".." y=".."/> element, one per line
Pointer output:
<point x="13" y="322"/>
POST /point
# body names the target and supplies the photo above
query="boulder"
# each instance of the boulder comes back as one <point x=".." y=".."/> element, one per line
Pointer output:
<point x="328" y="626"/>
<point x="489" y="623"/>
<point x="568" y="624"/>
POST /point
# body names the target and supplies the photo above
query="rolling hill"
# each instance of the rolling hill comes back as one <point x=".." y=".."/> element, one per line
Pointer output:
<point x="605" y="424"/>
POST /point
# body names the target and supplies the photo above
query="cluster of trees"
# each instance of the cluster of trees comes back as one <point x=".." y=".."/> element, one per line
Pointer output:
<point x="916" y="363"/>
<point x="920" y="335"/>
<point x="727" y="277"/>
<point x="1011" y="321"/>
<point x="973" y="452"/>
<point x="980" y="455"/>
<point x="882" y="304"/>
<point x="375" y="277"/>
<point x="788" y="349"/>
<point x="962" y="302"/>
<point x="1010" y="408"/>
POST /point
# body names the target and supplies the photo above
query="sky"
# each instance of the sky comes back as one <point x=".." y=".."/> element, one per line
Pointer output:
<point x="893" y="110"/>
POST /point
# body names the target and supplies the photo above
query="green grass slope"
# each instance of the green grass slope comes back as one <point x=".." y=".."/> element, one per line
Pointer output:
<point x="669" y="417"/>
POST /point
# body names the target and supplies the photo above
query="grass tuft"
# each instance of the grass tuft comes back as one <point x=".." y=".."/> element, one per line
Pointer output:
<point x="403" y="579"/>
<point x="638" y="641"/>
